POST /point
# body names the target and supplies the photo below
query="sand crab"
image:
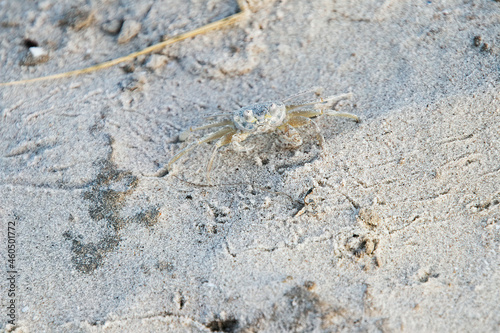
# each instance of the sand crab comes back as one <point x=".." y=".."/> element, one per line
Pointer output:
<point x="262" y="118"/>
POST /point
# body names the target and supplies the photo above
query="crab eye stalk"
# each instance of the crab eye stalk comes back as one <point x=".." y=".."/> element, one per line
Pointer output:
<point x="273" y="109"/>
<point x="248" y="115"/>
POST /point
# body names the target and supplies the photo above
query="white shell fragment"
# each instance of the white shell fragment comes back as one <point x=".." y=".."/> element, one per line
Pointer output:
<point x="36" y="55"/>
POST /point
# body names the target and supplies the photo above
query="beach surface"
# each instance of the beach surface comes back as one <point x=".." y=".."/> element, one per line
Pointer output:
<point x="393" y="225"/>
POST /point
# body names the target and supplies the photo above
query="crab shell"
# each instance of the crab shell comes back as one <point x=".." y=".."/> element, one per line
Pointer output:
<point x="262" y="117"/>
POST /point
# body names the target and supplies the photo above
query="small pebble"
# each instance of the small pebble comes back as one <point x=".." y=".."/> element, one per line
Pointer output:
<point x="36" y="55"/>
<point x="78" y="18"/>
<point x="156" y="61"/>
<point x="112" y="27"/>
<point x="130" y="29"/>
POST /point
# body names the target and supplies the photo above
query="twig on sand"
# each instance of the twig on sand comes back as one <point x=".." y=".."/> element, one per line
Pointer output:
<point x="243" y="10"/>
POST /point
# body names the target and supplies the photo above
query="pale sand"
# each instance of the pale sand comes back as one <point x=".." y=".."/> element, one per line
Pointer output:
<point x="401" y="231"/>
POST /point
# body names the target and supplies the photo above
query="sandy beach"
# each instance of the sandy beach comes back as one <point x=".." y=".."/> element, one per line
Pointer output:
<point x="393" y="225"/>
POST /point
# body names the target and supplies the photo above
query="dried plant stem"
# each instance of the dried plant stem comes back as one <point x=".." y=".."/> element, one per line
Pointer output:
<point x="243" y="10"/>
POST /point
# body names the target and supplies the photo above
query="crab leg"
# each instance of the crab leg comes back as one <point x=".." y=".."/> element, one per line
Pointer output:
<point x="184" y="134"/>
<point x="315" y="113"/>
<point x="289" y="137"/>
<point x="226" y="139"/>
<point x="298" y="121"/>
<point x="316" y="90"/>
<point x="324" y="103"/>
<point x="342" y="114"/>
<point x="210" y="137"/>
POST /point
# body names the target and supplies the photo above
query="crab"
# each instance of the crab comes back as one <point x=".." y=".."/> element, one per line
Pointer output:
<point x="262" y="118"/>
